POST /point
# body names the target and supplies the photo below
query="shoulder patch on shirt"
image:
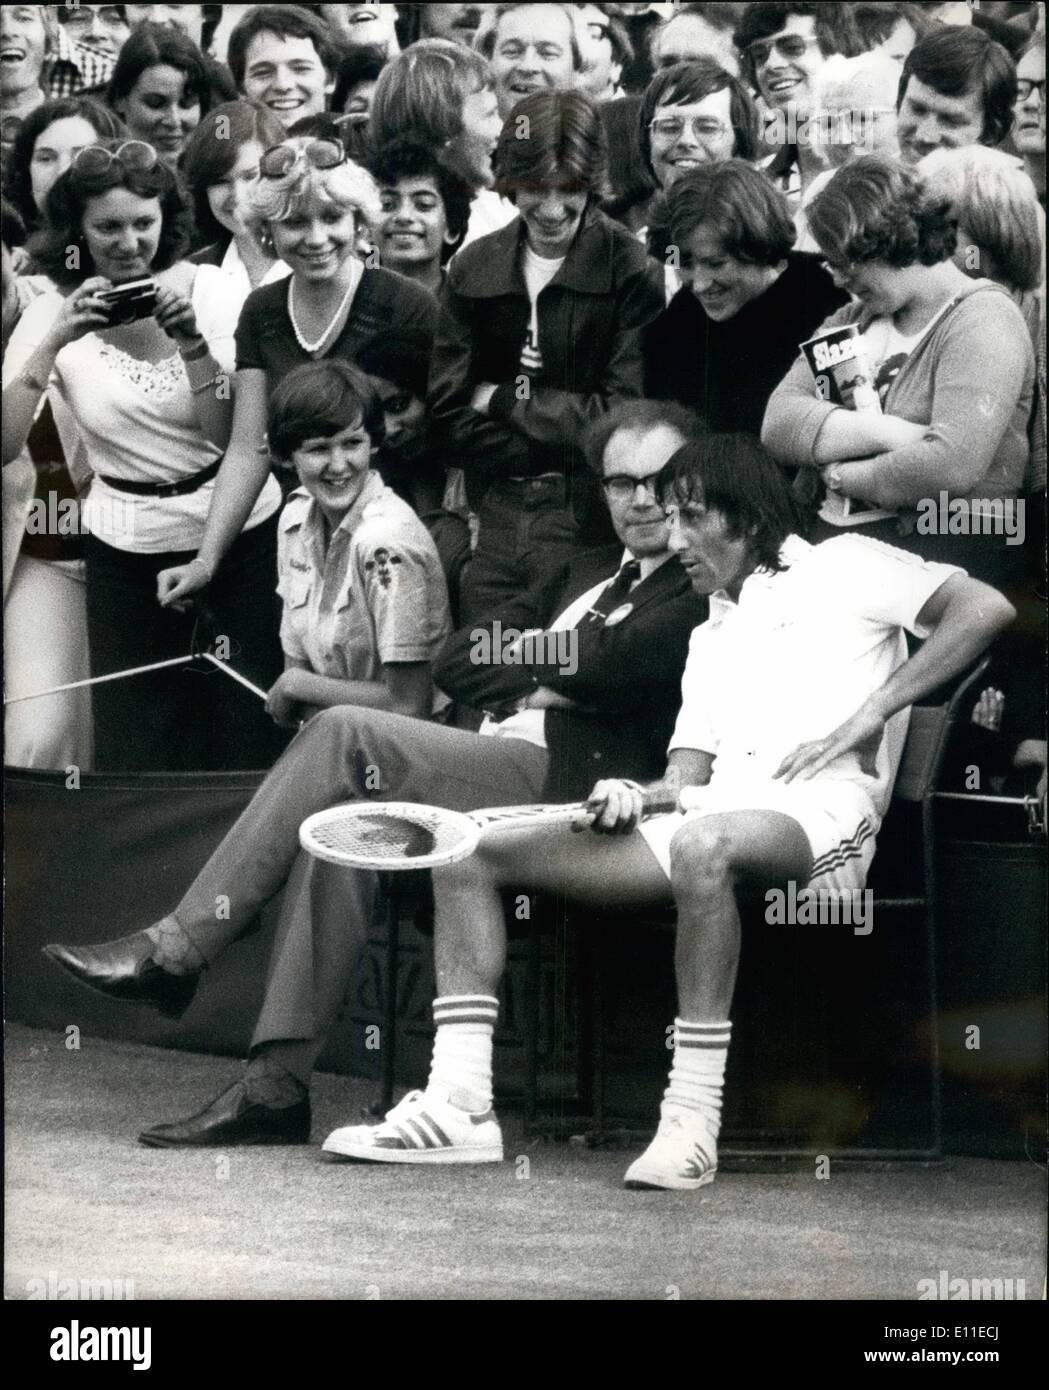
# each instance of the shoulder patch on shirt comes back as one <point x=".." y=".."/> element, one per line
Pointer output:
<point x="382" y="565"/>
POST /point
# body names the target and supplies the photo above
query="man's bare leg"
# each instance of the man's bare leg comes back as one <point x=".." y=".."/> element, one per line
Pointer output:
<point x="710" y="859"/>
<point x="452" y="1121"/>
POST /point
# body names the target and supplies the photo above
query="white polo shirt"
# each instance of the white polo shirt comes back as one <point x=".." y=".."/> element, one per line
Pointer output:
<point x="798" y="654"/>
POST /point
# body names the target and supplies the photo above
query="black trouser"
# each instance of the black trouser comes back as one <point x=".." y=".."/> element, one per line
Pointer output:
<point x="527" y="531"/>
<point x="190" y="717"/>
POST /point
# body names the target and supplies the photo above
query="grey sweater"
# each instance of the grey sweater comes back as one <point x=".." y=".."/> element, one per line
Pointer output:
<point x="970" y="379"/>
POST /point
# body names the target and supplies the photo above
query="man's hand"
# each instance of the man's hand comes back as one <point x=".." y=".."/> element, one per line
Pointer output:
<point x="176" y="586"/>
<point x="616" y="807"/>
<point x="863" y="732"/>
<point x="283" y="702"/>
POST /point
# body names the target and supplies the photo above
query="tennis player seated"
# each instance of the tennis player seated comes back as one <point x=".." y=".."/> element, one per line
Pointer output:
<point x="795" y="703"/>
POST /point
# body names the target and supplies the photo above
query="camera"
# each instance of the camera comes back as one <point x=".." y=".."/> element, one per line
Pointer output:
<point x="128" y="303"/>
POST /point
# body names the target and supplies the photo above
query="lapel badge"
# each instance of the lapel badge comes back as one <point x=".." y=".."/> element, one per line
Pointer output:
<point x="618" y="614"/>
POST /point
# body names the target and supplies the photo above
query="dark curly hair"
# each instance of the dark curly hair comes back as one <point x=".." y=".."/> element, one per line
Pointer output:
<point x="68" y="200"/>
<point x="18" y="185"/>
<point x="877" y="209"/>
<point x="412" y="158"/>
<point x="735" y="475"/>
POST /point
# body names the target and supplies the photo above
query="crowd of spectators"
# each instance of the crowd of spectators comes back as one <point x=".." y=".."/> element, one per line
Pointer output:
<point x="307" y="310"/>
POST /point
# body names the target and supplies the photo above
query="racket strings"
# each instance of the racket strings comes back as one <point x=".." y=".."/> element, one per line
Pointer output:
<point x="389" y="836"/>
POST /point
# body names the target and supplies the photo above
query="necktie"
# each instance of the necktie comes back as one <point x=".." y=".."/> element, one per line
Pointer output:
<point x="615" y="593"/>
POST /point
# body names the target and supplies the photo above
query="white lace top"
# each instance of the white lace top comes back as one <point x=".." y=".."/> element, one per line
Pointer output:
<point x="136" y="421"/>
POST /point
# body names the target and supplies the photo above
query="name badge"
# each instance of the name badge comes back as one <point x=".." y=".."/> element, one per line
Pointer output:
<point x="618" y="614"/>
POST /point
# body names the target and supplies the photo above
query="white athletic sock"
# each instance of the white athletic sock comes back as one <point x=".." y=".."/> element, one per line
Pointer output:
<point x="698" y="1073"/>
<point x="462" y="1049"/>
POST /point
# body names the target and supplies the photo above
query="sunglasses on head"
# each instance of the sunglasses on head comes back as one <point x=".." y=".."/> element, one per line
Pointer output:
<point x="132" y="155"/>
<point x="280" y="160"/>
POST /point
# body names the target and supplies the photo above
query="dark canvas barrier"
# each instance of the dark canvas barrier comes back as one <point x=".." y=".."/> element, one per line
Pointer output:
<point x="107" y="858"/>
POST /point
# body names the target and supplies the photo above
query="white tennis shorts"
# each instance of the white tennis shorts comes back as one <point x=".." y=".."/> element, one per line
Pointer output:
<point x="837" y="817"/>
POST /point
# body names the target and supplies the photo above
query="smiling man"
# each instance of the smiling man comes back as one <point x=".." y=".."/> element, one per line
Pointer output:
<point x="23" y="48"/>
<point x="793" y="716"/>
<point x="282" y="57"/>
<point x="532" y="48"/>
<point x="958" y="88"/>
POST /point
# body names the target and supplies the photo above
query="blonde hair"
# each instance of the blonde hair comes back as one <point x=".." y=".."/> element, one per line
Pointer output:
<point x="345" y="186"/>
<point x="995" y="203"/>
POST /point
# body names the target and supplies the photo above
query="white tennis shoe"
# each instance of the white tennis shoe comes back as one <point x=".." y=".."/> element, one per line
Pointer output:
<point x="682" y="1156"/>
<point x="422" y="1128"/>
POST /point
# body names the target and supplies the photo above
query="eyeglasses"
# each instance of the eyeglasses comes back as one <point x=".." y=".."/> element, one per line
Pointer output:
<point x="82" y="16"/>
<point x="132" y="155"/>
<point x="1026" y="85"/>
<point x="622" y="487"/>
<point x="280" y="160"/>
<point x="673" y="127"/>
<point x="790" y="48"/>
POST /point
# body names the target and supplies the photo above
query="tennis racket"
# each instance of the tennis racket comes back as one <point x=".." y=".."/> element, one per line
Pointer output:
<point x="402" y="835"/>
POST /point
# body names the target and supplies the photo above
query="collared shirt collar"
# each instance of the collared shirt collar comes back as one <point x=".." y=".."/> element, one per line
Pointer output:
<point x="313" y="522"/>
<point x="791" y="551"/>
<point x="93" y="69"/>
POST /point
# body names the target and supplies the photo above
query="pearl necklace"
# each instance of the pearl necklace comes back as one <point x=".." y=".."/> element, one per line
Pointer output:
<point x="300" y="338"/>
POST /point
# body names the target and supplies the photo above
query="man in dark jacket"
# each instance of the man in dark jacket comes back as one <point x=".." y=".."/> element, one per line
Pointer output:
<point x="607" y="705"/>
<point x="539" y="333"/>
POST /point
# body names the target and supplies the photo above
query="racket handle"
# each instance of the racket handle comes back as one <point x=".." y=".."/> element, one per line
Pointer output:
<point x="657" y="800"/>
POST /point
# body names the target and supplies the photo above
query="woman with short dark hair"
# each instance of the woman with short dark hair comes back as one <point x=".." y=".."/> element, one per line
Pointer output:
<point x="725" y="340"/>
<point x="117" y="347"/>
<point x="539" y="333"/>
<point x="952" y="365"/>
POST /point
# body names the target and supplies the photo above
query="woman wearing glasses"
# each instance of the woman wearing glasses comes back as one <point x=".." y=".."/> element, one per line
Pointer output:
<point x="309" y="208"/>
<point x="729" y="334"/>
<point x="150" y="407"/>
<point x="953" y="367"/>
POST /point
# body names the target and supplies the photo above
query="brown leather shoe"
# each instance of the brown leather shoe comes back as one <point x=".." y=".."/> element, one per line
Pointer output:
<point x="125" y="969"/>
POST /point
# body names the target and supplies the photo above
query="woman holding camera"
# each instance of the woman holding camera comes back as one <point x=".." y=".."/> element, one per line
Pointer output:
<point x="117" y="348"/>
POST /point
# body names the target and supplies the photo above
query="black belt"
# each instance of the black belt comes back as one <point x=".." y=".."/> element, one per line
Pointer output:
<point x="179" y="489"/>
